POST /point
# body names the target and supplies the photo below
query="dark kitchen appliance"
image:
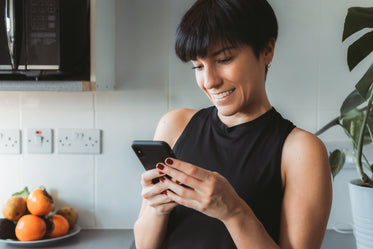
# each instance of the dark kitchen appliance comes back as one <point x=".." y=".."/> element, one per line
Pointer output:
<point x="45" y="40"/>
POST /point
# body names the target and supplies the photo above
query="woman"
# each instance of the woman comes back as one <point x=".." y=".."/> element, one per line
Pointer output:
<point x="244" y="176"/>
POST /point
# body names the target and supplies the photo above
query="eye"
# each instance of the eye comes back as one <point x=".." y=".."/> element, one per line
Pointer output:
<point x="197" y="68"/>
<point x="225" y="60"/>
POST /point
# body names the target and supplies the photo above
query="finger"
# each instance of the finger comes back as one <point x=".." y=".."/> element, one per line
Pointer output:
<point x="149" y="175"/>
<point x="178" y="176"/>
<point x="160" y="199"/>
<point x="183" y="201"/>
<point x="182" y="191"/>
<point x="187" y="168"/>
<point x="154" y="190"/>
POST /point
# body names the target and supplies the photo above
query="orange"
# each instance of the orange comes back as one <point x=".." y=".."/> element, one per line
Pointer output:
<point x="59" y="226"/>
<point x="14" y="208"/>
<point x="39" y="202"/>
<point x="30" y="227"/>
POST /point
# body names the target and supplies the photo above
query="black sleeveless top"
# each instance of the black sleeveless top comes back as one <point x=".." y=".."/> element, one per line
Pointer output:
<point x="249" y="156"/>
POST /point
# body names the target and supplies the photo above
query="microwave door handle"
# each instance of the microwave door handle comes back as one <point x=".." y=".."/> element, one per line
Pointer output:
<point x="10" y="25"/>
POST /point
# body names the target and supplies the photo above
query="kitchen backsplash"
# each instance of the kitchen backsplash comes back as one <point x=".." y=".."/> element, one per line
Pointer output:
<point x="307" y="82"/>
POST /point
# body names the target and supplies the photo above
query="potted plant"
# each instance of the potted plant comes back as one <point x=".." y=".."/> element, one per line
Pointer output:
<point x="356" y="118"/>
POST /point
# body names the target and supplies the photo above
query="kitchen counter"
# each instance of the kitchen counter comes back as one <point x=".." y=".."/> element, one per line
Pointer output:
<point x="122" y="239"/>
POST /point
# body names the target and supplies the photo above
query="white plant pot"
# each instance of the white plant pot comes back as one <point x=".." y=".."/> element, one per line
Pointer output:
<point x="362" y="214"/>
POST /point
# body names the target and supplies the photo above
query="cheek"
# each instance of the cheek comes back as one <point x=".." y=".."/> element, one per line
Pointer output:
<point x="199" y="79"/>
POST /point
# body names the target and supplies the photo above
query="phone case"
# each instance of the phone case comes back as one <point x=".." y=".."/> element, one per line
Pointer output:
<point x="151" y="152"/>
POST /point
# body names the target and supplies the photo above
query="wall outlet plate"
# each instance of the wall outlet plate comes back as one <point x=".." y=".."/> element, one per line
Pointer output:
<point x="39" y="141"/>
<point x="10" y="141"/>
<point x="79" y="141"/>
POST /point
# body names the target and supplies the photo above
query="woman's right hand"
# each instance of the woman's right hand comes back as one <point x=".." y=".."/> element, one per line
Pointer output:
<point x="156" y="194"/>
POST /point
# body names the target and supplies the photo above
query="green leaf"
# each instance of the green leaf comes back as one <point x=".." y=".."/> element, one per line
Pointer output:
<point x="360" y="49"/>
<point x="357" y="19"/>
<point x="23" y="193"/>
<point x="365" y="82"/>
<point x="336" y="161"/>
<point x="352" y="101"/>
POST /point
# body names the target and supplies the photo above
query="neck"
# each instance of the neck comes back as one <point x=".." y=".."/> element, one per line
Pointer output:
<point x="250" y="113"/>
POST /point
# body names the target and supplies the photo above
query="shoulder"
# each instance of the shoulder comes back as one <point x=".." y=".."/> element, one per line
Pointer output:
<point x="304" y="153"/>
<point x="301" y="141"/>
<point x="172" y="124"/>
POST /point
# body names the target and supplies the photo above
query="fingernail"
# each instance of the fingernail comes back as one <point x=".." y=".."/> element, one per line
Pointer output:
<point x="177" y="182"/>
<point x="165" y="192"/>
<point x="169" y="161"/>
<point x="162" y="179"/>
<point x="160" y="166"/>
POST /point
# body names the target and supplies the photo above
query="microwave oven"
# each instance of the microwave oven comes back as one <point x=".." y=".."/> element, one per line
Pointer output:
<point x="44" y="39"/>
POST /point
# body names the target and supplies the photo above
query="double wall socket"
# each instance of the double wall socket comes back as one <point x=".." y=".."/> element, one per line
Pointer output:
<point x="79" y="141"/>
<point x="10" y="141"/>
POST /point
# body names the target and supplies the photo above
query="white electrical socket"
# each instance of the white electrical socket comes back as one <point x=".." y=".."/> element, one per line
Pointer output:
<point x="39" y="141"/>
<point x="79" y="141"/>
<point x="10" y="141"/>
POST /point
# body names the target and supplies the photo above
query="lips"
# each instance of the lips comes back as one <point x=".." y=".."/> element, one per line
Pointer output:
<point x="221" y="95"/>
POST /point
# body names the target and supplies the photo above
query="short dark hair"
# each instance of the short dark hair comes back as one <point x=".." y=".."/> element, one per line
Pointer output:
<point x="231" y="22"/>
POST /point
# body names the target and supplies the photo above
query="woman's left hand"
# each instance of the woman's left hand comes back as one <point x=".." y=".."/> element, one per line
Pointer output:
<point x="206" y="191"/>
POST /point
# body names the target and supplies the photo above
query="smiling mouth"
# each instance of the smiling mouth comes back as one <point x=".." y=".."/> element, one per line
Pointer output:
<point x="222" y="95"/>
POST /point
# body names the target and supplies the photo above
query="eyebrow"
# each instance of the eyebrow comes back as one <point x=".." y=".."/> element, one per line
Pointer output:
<point x="222" y="50"/>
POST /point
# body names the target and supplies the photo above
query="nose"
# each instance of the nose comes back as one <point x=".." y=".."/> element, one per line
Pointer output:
<point x="211" y="78"/>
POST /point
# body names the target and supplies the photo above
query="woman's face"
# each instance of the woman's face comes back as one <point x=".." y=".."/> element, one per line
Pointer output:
<point x="234" y="78"/>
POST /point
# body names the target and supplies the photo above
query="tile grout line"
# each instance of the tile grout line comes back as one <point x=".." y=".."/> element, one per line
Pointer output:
<point x="318" y="87"/>
<point x="169" y="56"/>
<point x="95" y="167"/>
<point x="20" y="162"/>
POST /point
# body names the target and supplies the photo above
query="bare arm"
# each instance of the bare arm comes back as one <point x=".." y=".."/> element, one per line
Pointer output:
<point x="151" y="225"/>
<point x="308" y="191"/>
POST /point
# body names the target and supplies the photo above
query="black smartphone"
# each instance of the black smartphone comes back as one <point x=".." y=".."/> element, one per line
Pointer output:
<point x="150" y="153"/>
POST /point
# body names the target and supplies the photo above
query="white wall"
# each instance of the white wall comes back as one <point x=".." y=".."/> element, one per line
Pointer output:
<point x="307" y="82"/>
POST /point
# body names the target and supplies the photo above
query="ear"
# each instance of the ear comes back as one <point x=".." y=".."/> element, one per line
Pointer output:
<point x="269" y="51"/>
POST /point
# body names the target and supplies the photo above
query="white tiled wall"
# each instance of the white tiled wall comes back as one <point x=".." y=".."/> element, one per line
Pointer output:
<point x="307" y="82"/>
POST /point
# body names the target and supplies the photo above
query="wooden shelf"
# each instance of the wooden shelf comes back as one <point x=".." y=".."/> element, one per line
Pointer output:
<point x="57" y="86"/>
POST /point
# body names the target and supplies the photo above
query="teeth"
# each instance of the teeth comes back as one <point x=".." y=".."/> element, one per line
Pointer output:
<point x="223" y="94"/>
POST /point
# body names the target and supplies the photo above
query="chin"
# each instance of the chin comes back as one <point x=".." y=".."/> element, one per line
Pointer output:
<point x="226" y="110"/>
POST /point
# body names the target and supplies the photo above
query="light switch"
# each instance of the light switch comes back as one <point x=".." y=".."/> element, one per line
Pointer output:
<point x="39" y="141"/>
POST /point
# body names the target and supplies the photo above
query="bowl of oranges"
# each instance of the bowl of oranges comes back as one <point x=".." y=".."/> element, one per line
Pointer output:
<point x="30" y="218"/>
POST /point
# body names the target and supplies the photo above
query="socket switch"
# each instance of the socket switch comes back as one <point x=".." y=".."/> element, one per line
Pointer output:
<point x="79" y="141"/>
<point x="10" y="141"/>
<point x="39" y="141"/>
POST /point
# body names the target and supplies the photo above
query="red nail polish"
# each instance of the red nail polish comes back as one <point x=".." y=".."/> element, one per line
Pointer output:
<point x="165" y="192"/>
<point x="162" y="179"/>
<point x="160" y="166"/>
<point x="177" y="182"/>
<point x="169" y="161"/>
